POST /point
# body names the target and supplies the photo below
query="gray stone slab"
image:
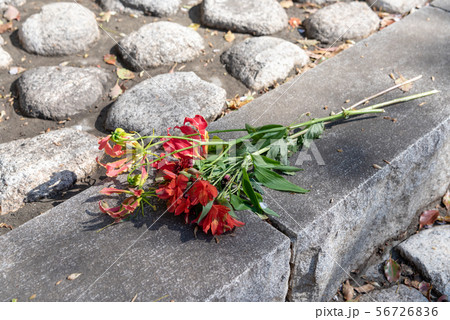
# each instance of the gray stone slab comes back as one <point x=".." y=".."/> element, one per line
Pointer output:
<point x="5" y="59"/>
<point x="257" y="17"/>
<point x="429" y="251"/>
<point x="258" y="62"/>
<point x="352" y="208"/>
<point x="17" y="3"/>
<point x="160" y="43"/>
<point x="342" y="21"/>
<point x="396" y="6"/>
<point x="158" y="8"/>
<point x="33" y="168"/>
<point x="165" y="100"/>
<point x="399" y="293"/>
<point x="59" y="29"/>
<point x="59" y="92"/>
<point x="156" y="257"/>
<point x="443" y="4"/>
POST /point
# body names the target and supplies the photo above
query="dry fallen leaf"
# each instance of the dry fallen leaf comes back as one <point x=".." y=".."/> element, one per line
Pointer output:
<point x="237" y="102"/>
<point x="57" y="283"/>
<point x="348" y="291"/>
<point x="194" y="26"/>
<point x="2" y="114"/>
<point x="406" y="87"/>
<point x="446" y="200"/>
<point x="12" y="14"/>
<point x="16" y="70"/>
<point x="229" y="36"/>
<point x="73" y="276"/>
<point x="116" y="91"/>
<point x="365" y="288"/>
<point x="105" y="16"/>
<point x="110" y="59"/>
<point x="287" y="4"/>
<point x="4" y="225"/>
<point x="425" y="289"/>
<point x="6" y="27"/>
<point x="428" y="217"/>
<point x="308" y="42"/>
<point x="125" y="74"/>
<point x="32" y="296"/>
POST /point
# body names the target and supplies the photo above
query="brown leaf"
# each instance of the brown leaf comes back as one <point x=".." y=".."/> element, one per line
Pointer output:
<point x="110" y="59"/>
<point x="365" y="288"/>
<point x="32" y="296"/>
<point x="392" y="270"/>
<point x="229" y="36"/>
<point x="6" y="27"/>
<point x="406" y="87"/>
<point x="347" y="290"/>
<point x="4" y="225"/>
<point x="446" y="200"/>
<point x="442" y="298"/>
<point x="57" y="283"/>
<point x="237" y="102"/>
<point x="425" y="288"/>
<point x="12" y="14"/>
<point x="116" y="91"/>
<point x="286" y="4"/>
<point x="428" y="218"/>
<point x="125" y="74"/>
<point x="73" y="276"/>
<point x="105" y="16"/>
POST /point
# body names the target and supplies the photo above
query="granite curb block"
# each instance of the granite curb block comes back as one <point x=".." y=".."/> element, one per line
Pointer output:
<point x="429" y="251"/>
<point x="34" y="168"/>
<point x="353" y="208"/>
<point x="165" y="262"/>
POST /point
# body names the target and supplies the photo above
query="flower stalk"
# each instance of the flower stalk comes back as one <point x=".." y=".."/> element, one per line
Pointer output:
<point x="207" y="180"/>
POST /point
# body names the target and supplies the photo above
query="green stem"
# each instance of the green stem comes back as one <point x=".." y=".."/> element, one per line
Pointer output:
<point x="398" y="100"/>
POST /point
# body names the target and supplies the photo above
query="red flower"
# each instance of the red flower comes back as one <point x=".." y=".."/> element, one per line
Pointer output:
<point x="219" y="220"/>
<point x="115" y="152"/>
<point x="113" y="169"/>
<point x="172" y="166"/>
<point x="202" y="192"/>
<point x="197" y="133"/>
<point x="118" y="213"/>
<point x="177" y="201"/>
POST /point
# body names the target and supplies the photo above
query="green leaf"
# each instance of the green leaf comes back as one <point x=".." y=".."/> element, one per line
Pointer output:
<point x="392" y="270"/>
<point x="249" y="128"/>
<point x="279" y="132"/>
<point x="125" y="74"/>
<point x="314" y="132"/>
<point x="205" y="211"/>
<point x="274" y="181"/>
<point x="265" y="162"/>
<point x="239" y="204"/>
<point x="270" y="211"/>
<point x="226" y="203"/>
<point x="215" y="149"/>
<point x="248" y="190"/>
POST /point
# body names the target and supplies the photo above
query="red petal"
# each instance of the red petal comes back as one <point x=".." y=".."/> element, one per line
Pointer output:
<point x="110" y="191"/>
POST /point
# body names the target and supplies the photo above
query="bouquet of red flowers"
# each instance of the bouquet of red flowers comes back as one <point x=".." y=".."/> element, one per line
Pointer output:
<point x="208" y="179"/>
